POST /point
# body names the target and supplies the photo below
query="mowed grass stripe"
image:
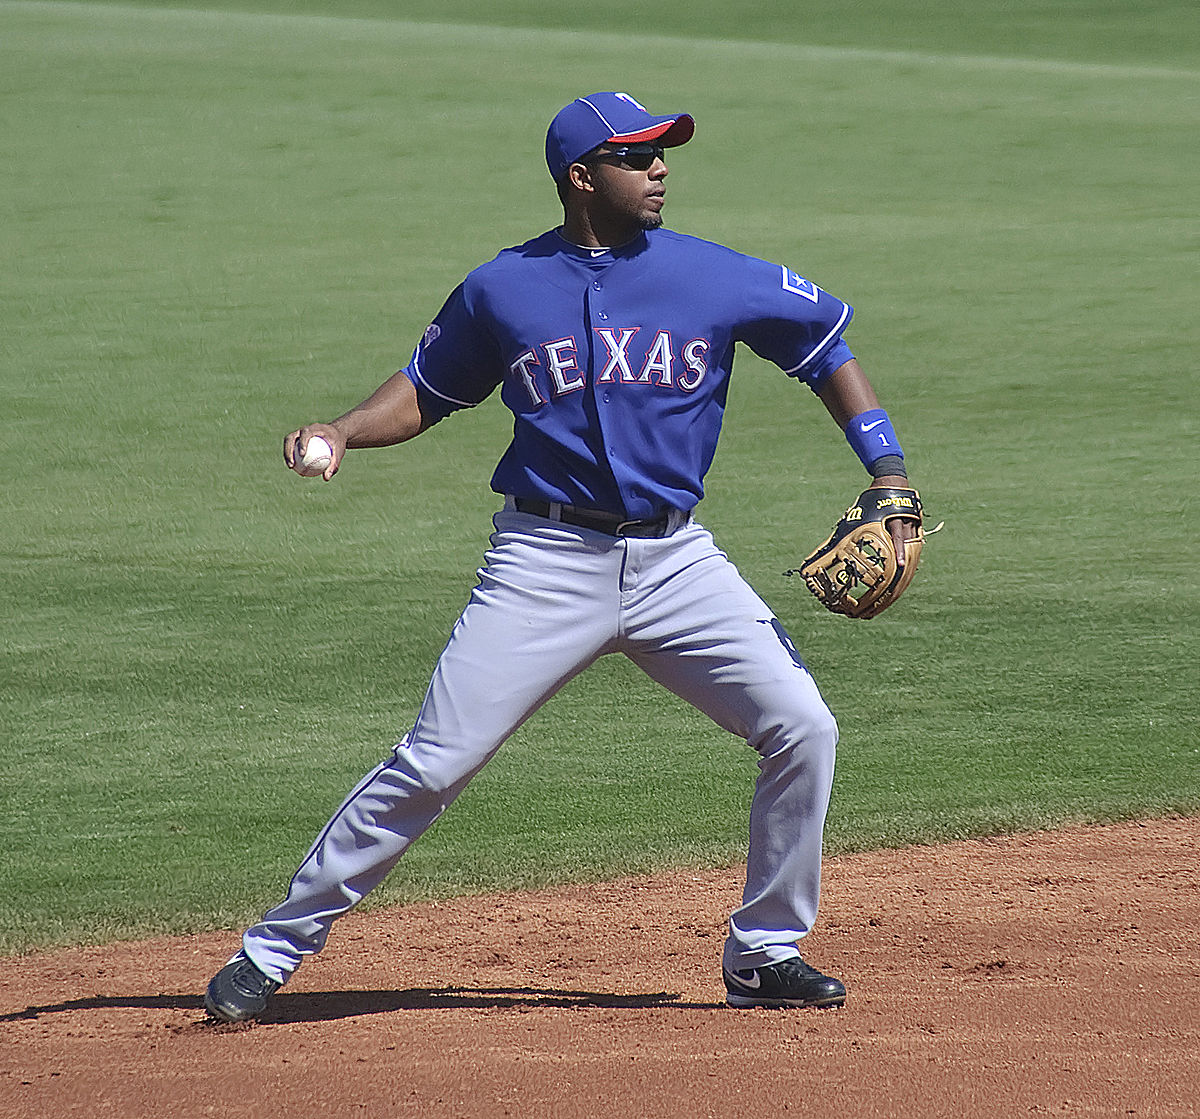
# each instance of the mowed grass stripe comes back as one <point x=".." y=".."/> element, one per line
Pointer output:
<point x="405" y="32"/>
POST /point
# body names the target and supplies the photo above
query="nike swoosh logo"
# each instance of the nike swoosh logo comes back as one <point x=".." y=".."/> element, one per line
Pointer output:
<point x="751" y="984"/>
<point x="864" y="428"/>
<point x="599" y="252"/>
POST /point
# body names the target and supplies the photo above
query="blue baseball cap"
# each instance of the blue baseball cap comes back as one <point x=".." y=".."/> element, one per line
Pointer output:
<point x="608" y="118"/>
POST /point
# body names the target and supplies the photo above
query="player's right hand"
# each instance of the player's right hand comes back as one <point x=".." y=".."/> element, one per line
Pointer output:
<point x="295" y="442"/>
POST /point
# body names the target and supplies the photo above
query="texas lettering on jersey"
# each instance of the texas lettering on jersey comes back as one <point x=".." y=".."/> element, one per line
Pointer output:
<point x="621" y="361"/>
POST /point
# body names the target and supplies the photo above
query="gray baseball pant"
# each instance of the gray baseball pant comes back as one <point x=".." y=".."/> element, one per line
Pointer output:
<point x="550" y="600"/>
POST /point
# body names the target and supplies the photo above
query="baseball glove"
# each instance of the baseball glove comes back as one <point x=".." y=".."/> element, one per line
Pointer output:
<point x="855" y="571"/>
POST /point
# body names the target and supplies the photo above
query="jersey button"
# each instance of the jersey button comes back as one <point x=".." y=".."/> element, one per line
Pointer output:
<point x="603" y="315"/>
<point x="597" y="285"/>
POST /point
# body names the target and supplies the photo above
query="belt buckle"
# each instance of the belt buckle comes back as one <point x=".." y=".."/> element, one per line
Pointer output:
<point x="657" y="527"/>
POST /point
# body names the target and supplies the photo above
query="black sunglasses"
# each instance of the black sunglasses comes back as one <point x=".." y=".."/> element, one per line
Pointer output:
<point x="637" y="157"/>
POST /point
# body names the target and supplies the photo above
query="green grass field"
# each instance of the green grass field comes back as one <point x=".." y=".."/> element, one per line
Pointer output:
<point x="221" y="223"/>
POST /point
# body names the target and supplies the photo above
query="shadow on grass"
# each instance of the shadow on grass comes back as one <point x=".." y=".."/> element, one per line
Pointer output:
<point x="329" y="1006"/>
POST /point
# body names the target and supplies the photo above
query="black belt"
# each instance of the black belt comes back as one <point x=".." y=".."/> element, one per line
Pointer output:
<point x="598" y="521"/>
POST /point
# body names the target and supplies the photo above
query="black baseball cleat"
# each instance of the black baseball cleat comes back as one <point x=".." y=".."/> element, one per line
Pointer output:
<point x="239" y="991"/>
<point x="788" y="983"/>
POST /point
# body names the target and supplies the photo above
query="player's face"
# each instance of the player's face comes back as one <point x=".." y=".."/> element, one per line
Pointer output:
<point x="629" y="184"/>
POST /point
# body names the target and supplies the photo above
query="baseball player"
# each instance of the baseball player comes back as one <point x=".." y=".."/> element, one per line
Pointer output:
<point x="611" y="340"/>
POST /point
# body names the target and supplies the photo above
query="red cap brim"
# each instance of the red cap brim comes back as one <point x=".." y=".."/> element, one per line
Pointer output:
<point x="670" y="133"/>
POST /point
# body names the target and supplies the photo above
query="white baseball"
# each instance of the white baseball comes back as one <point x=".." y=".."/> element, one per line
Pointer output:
<point x="318" y="454"/>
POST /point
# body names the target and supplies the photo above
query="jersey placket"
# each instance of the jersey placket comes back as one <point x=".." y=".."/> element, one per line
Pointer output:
<point x="593" y="309"/>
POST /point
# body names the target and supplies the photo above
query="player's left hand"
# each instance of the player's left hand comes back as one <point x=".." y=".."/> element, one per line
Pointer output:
<point x="871" y="556"/>
<point x="901" y="529"/>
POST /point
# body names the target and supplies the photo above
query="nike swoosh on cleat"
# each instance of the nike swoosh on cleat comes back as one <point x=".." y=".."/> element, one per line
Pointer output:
<point x="751" y="984"/>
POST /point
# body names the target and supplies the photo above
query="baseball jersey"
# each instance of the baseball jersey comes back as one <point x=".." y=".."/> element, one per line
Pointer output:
<point x="615" y="363"/>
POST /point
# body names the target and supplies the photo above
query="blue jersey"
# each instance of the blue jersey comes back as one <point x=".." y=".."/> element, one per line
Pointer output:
<point x="616" y="363"/>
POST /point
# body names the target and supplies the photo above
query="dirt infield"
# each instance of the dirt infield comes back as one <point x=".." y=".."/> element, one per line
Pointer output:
<point x="1044" y="974"/>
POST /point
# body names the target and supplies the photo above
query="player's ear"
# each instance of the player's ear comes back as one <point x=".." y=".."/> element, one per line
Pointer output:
<point x="579" y="177"/>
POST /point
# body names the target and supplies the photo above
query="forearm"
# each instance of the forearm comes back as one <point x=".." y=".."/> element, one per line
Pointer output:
<point x="846" y="392"/>
<point x="390" y="415"/>
<point x="847" y="395"/>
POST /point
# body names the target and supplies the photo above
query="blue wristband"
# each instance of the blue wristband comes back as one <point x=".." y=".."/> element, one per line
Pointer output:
<point x="871" y="436"/>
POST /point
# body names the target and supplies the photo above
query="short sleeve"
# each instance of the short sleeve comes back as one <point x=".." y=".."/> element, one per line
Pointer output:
<point x="790" y="321"/>
<point x="456" y="364"/>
